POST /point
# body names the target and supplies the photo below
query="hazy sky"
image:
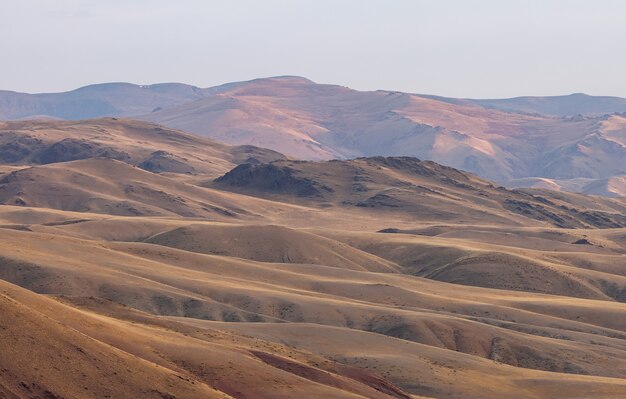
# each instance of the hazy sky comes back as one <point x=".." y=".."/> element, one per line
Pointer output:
<point x="464" y="48"/>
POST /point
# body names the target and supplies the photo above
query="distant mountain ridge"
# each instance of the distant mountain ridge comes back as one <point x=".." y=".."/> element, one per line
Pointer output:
<point x="107" y="99"/>
<point x="127" y="99"/>
<point x="559" y="106"/>
<point x="559" y="138"/>
<point x="115" y="99"/>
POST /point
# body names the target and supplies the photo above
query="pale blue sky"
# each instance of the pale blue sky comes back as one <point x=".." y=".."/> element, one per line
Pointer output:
<point x="471" y="48"/>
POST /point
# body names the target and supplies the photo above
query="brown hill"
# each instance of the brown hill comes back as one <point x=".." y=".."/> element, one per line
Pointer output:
<point x="146" y="145"/>
<point x="406" y="333"/>
<point x="424" y="190"/>
<point x="269" y="244"/>
<point x="521" y="259"/>
<point x="78" y="350"/>
<point x="112" y="187"/>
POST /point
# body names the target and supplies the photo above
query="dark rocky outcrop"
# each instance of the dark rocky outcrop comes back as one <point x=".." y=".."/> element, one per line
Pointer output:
<point x="20" y="149"/>
<point x="272" y="178"/>
<point x="423" y="190"/>
<point x="163" y="161"/>
<point x="74" y="149"/>
<point x="254" y="155"/>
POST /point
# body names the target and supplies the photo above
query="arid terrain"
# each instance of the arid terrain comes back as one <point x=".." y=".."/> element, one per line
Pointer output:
<point x="140" y="261"/>
<point x="571" y="143"/>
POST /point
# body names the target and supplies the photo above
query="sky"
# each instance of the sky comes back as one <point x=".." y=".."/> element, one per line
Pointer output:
<point x="462" y="48"/>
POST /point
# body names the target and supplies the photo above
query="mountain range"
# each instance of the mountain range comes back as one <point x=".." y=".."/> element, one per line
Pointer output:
<point x="572" y="143"/>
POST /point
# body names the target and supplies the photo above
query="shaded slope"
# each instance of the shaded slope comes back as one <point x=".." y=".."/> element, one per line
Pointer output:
<point x="269" y="244"/>
<point x="503" y="260"/>
<point x="107" y="186"/>
<point x="155" y="362"/>
<point x="171" y="282"/>
<point x="425" y="190"/>
<point x="47" y="359"/>
<point x="146" y="145"/>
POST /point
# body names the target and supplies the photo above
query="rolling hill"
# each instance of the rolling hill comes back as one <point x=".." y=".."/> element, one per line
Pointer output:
<point x="422" y="189"/>
<point x="149" y="146"/>
<point x="145" y="307"/>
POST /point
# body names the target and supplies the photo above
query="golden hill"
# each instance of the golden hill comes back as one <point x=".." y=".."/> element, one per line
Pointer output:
<point x="369" y="278"/>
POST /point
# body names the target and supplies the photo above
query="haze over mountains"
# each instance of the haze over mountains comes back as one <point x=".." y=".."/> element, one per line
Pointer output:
<point x="532" y="141"/>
